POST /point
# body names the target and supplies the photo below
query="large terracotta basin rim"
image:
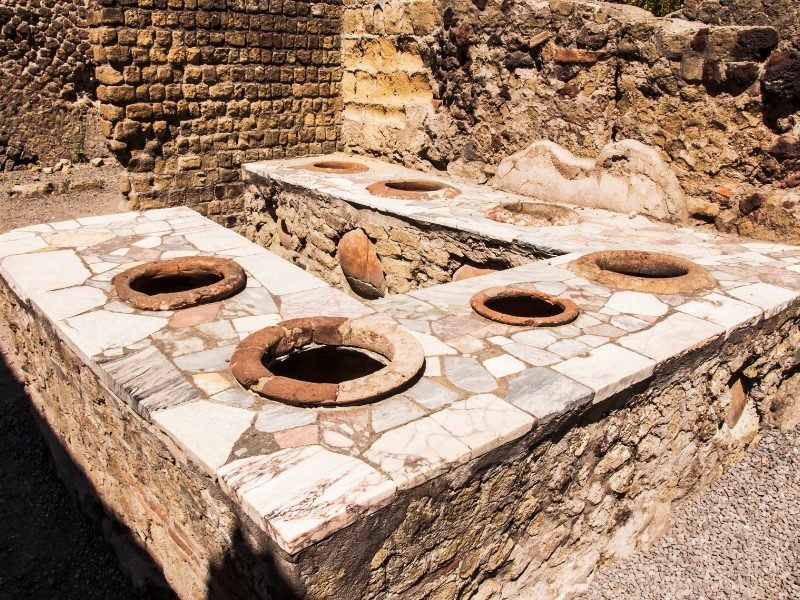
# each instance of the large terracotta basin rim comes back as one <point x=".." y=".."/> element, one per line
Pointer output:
<point x="413" y="189"/>
<point x="641" y="271"/>
<point x="336" y="166"/>
<point x="524" y="308"/>
<point x="403" y="353"/>
<point x="179" y="282"/>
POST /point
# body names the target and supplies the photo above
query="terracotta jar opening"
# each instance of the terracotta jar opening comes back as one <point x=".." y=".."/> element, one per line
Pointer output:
<point x="179" y="283"/>
<point x="326" y="364"/>
<point x="534" y="214"/>
<point x="327" y="361"/>
<point x="517" y="306"/>
<point x="643" y="271"/>
<point x="337" y="166"/>
<point x="413" y="189"/>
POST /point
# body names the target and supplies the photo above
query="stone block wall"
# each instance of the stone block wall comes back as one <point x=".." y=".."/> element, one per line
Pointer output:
<point x="45" y="77"/>
<point x="459" y="85"/>
<point x="191" y="89"/>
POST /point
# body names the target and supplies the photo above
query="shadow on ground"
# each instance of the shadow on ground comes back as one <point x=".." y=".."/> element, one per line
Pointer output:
<point x="49" y="548"/>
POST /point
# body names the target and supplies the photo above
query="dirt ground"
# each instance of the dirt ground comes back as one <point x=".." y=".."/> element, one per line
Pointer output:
<point x="100" y="196"/>
<point x="49" y="549"/>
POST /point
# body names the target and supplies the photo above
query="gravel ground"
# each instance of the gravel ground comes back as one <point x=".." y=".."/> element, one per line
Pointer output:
<point x="740" y="539"/>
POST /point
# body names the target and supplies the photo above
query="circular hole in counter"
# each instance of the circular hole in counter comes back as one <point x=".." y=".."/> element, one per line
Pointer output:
<point x="643" y="271"/>
<point x="327" y="361"/>
<point x="526" y="308"/>
<point x="337" y="166"/>
<point x="179" y="282"/>
<point x="413" y="189"/>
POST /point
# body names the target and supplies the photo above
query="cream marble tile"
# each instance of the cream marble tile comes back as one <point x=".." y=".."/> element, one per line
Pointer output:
<point x="674" y="336"/>
<point x="32" y="274"/>
<point x="722" y="310"/>
<point x="277" y="275"/>
<point x="100" y="330"/>
<point x="254" y="323"/>
<point x="484" y="422"/>
<point x="212" y="383"/>
<point x="637" y="303"/>
<point x="770" y="298"/>
<point x="21" y="246"/>
<point x="275" y="416"/>
<point x="60" y="304"/>
<point x="538" y="338"/>
<point x="431" y="345"/>
<point x="392" y="412"/>
<point x="607" y="369"/>
<point x="321" y="302"/>
<point x="417" y="452"/>
<point x="503" y="365"/>
<point x="546" y="394"/>
<point x="208" y="431"/>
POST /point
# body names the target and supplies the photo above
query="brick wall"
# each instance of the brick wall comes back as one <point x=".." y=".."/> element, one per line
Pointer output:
<point x="191" y="89"/>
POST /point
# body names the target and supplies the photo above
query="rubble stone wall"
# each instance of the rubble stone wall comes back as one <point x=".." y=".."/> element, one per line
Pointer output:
<point x="191" y="89"/>
<point x="46" y="80"/>
<point x="783" y="15"/>
<point x="459" y="85"/>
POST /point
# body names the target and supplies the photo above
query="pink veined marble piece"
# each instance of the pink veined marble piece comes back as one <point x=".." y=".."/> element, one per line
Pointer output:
<point x="299" y="436"/>
<point x="195" y="315"/>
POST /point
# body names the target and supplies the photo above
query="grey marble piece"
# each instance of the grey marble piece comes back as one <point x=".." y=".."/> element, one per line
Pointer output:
<point x="215" y="359"/>
<point x="149" y="381"/>
<point x="468" y="374"/>
<point x="546" y="394"/>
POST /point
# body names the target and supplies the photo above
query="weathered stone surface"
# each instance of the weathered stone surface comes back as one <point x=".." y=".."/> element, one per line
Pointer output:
<point x="32" y="189"/>
<point x="626" y="177"/>
<point x="46" y="67"/>
<point x="596" y="74"/>
<point x="360" y="265"/>
<point x="783" y="15"/>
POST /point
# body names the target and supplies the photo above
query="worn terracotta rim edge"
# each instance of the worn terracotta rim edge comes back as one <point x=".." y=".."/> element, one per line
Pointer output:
<point x="381" y="188"/>
<point x="503" y="213"/>
<point x="234" y="280"/>
<point x="404" y="353"/>
<point x="342" y="167"/>
<point x="695" y="277"/>
<point x="570" y="310"/>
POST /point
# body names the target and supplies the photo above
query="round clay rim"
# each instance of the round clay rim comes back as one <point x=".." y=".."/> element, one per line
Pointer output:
<point x="233" y="281"/>
<point x="405" y="354"/>
<point x="382" y="189"/>
<point x="503" y="214"/>
<point x="479" y="300"/>
<point x="696" y="277"/>
<point x="344" y="167"/>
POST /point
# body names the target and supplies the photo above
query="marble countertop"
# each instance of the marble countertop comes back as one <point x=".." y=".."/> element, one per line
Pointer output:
<point x="304" y="473"/>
